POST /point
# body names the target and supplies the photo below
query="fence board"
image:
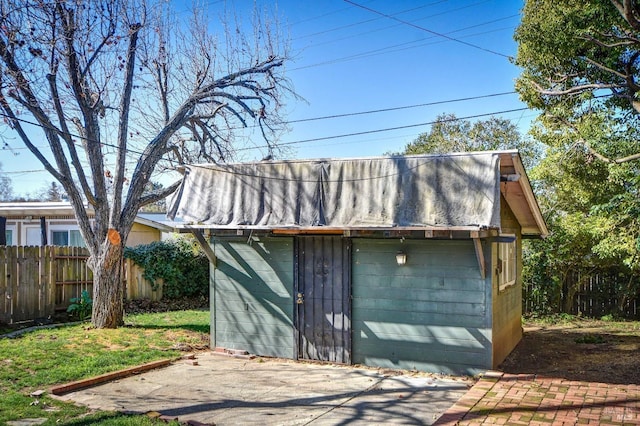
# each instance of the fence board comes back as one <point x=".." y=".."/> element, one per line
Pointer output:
<point x="596" y="294"/>
<point x="137" y="287"/>
<point x="37" y="281"/>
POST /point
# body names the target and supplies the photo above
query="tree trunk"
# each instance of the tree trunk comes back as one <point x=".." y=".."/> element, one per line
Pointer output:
<point x="108" y="310"/>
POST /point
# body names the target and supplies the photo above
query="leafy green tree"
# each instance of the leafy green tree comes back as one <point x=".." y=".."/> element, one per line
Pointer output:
<point x="450" y="134"/>
<point x="580" y="68"/>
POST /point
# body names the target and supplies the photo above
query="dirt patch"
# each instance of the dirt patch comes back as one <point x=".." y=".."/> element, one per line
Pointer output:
<point x="586" y="350"/>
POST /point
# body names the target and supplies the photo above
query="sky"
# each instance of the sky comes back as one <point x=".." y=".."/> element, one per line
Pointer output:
<point x="375" y="65"/>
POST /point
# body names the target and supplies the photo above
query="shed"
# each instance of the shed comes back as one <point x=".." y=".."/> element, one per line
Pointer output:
<point x="409" y="262"/>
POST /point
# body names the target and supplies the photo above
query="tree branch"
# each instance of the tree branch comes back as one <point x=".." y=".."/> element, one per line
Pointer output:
<point x="583" y="141"/>
<point x="123" y="122"/>
<point x="66" y="136"/>
<point x="626" y="9"/>
<point x="159" y="195"/>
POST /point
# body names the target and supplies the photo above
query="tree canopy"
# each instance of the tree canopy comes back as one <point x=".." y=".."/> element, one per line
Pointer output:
<point x="120" y="89"/>
<point x="579" y="64"/>
<point x="580" y="67"/>
<point x="450" y="134"/>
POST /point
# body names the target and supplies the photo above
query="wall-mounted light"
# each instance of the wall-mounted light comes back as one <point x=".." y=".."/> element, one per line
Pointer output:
<point x="401" y="258"/>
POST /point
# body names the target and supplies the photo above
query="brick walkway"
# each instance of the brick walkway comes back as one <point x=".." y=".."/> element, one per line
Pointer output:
<point x="510" y="399"/>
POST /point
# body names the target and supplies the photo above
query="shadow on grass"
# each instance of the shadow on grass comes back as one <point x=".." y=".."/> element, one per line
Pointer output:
<point x="199" y="328"/>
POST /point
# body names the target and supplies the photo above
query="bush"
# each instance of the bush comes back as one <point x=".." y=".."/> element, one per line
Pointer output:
<point x="81" y="307"/>
<point x="180" y="263"/>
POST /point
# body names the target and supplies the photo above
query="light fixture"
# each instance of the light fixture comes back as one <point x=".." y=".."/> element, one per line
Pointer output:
<point x="401" y="258"/>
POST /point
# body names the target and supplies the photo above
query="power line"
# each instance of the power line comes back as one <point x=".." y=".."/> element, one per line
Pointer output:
<point x="475" y="46"/>
<point x="367" y="132"/>
<point x="388" y="129"/>
<point x="351" y="114"/>
<point x="399" y="47"/>
<point x="385" y="50"/>
<point x="397" y="25"/>
<point x="20" y="172"/>
<point x="33" y="123"/>
<point x="353" y="24"/>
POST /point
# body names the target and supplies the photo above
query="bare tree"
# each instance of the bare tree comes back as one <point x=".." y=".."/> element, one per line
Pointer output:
<point x="120" y="89"/>
<point x="6" y="189"/>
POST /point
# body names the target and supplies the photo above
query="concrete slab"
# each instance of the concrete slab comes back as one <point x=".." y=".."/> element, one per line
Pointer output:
<point x="223" y="390"/>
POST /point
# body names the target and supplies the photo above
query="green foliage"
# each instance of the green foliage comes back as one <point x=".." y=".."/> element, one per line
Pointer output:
<point x="592" y="210"/>
<point x="551" y="319"/>
<point x="81" y="307"/>
<point x="449" y="134"/>
<point x="590" y="338"/>
<point x="180" y="263"/>
<point x="577" y="50"/>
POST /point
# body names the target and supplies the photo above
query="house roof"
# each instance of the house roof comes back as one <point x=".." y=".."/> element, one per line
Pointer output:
<point x="158" y="221"/>
<point x="450" y="191"/>
<point x="38" y="209"/>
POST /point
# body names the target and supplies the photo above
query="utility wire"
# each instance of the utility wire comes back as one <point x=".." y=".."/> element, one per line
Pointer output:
<point x="364" y="33"/>
<point x="367" y="132"/>
<point x="386" y="50"/>
<point x="33" y="123"/>
<point x="388" y="129"/>
<point x="475" y="46"/>
<point x="353" y="24"/>
<point x="373" y="111"/>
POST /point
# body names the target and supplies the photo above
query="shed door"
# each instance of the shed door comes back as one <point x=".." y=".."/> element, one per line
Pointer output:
<point x="323" y="298"/>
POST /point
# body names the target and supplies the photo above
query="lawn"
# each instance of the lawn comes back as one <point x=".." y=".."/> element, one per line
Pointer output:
<point x="40" y="359"/>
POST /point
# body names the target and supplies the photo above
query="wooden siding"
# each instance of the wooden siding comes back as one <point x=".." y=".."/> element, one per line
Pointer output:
<point x="252" y="296"/>
<point x="142" y="234"/>
<point x="506" y="304"/>
<point x="431" y="314"/>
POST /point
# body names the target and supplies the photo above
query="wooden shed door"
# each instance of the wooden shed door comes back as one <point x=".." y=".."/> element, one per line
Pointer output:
<point x="323" y="298"/>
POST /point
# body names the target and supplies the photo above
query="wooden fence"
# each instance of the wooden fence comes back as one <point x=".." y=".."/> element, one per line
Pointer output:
<point x="593" y="294"/>
<point x="37" y="281"/>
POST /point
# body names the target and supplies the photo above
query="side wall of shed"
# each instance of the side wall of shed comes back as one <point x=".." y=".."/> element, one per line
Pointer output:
<point x="252" y="296"/>
<point x="432" y="314"/>
<point x="507" y="303"/>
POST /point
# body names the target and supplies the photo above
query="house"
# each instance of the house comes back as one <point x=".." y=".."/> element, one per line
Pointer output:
<point x="410" y="262"/>
<point x="31" y="223"/>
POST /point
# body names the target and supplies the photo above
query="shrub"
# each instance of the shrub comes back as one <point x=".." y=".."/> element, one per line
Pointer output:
<point x="81" y="307"/>
<point x="180" y="263"/>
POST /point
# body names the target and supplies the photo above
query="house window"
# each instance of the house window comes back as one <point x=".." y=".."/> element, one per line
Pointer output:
<point x="69" y="237"/>
<point x="9" y="236"/>
<point x="507" y="265"/>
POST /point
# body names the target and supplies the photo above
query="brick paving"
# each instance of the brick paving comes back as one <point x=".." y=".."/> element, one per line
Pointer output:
<point x="526" y="399"/>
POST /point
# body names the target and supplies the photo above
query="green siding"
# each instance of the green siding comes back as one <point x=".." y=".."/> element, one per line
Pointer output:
<point x="431" y="314"/>
<point x="252" y="293"/>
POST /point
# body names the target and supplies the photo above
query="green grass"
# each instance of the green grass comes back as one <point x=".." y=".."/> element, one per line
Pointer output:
<point x="43" y="358"/>
<point x="590" y="339"/>
<point x="576" y="321"/>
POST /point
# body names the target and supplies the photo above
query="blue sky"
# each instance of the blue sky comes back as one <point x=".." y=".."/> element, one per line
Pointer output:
<point x="376" y="55"/>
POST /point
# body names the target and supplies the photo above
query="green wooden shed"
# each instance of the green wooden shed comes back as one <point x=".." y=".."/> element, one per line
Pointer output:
<point x="410" y="262"/>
